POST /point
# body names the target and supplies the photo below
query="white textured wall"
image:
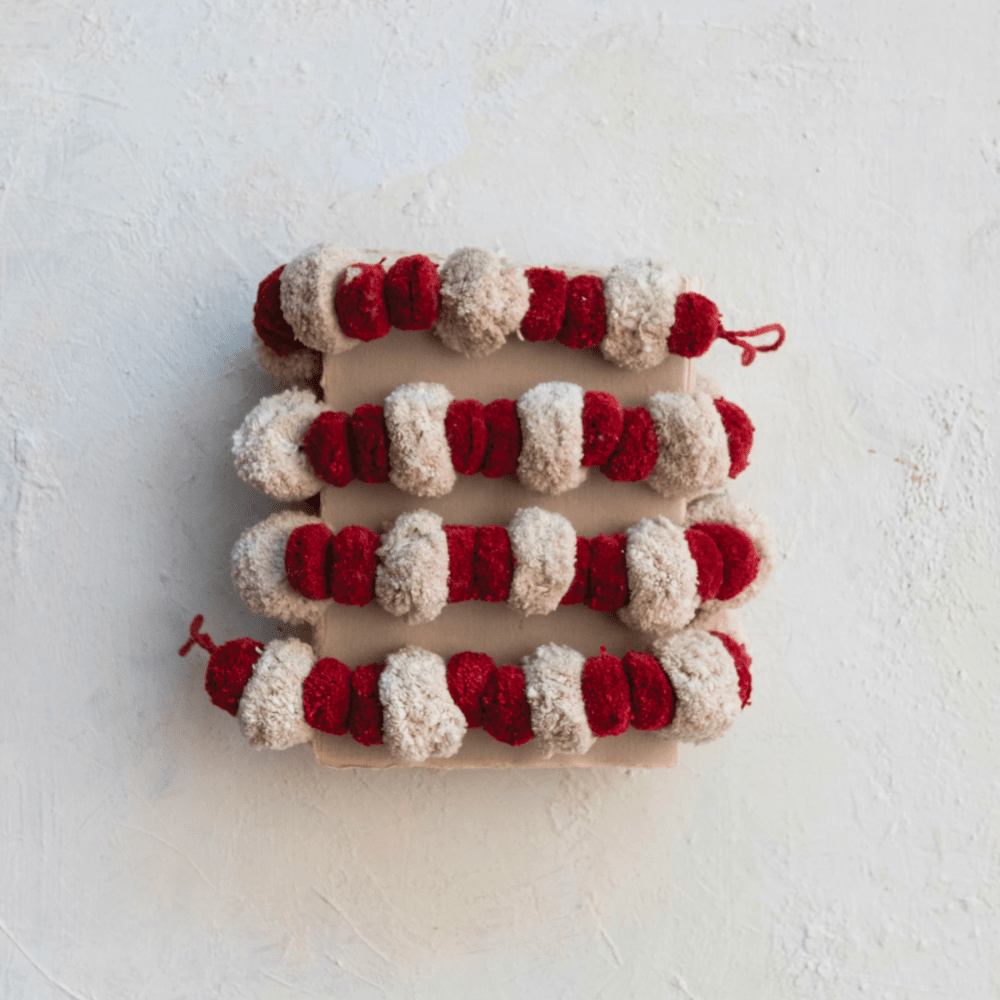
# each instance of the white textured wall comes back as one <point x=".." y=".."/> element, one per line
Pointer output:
<point x="833" y="165"/>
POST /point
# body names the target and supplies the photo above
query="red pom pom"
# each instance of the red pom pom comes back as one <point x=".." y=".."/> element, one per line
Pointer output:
<point x="467" y="677"/>
<point x="606" y="695"/>
<point x="368" y="443"/>
<point x="742" y="662"/>
<point x="492" y="564"/>
<point x="547" y="304"/>
<point x="740" y="560"/>
<point x="584" y="324"/>
<point x="607" y="588"/>
<point x="603" y="423"/>
<point x="503" y="438"/>
<point x="739" y="432"/>
<point x="506" y="713"/>
<point x="634" y="457"/>
<point x="465" y="429"/>
<point x="696" y="324"/>
<point x="653" y="702"/>
<point x="229" y="668"/>
<point x="706" y="554"/>
<point x="412" y="288"/>
<point x="578" y="588"/>
<point x="359" y="302"/>
<point x="327" y="448"/>
<point x="365" y="718"/>
<point x="326" y="696"/>
<point x="461" y="545"/>
<point x="268" y="319"/>
<point x="353" y="564"/>
<point x="305" y="561"/>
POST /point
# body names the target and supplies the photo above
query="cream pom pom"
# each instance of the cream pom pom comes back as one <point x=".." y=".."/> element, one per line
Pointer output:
<point x="553" y="676"/>
<point x="419" y="456"/>
<point x="543" y="545"/>
<point x="258" y="564"/>
<point x="419" y="717"/>
<point x="308" y="285"/>
<point x="267" y="446"/>
<point x="412" y="576"/>
<point x="639" y="300"/>
<point x="270" y="712"/>
<point x="693" y="447"/>
<point x="482" y="302"/>
<point x="662" y="577"/>
<point x="705" y="682"/>
<point x="551" y="418"/>
<point x="301" y="367"/>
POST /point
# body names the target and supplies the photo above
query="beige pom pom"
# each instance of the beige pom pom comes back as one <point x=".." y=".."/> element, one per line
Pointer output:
<point x="258" y="564"/>
<point x="301" y="367"/>
<point x="482" y="302"/>
<point x="270" y="712"/>
<point x="267" y="446"/>
<point x="693" y="447"/>
<point x="662" y="577"/>
<point x="543" y="545"/>
<point x="419" y="456"/>
<point x="552" y="676"/>
<point x="551" y="418"/>
<point x="412" y="577"/>
<point x="639" y="300"/>
<point x="419" y="718"/>
<point x="706" y="685"/>
<point x="308" y="285"/>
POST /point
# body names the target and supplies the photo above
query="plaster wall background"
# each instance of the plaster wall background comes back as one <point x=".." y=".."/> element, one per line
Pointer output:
<point x="832" y="165"/>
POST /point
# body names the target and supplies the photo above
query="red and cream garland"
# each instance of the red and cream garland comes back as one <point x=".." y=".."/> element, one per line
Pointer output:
<point x="290" y="445"/>
<point x="688" y="687"/>
<point x="327" y="301"/>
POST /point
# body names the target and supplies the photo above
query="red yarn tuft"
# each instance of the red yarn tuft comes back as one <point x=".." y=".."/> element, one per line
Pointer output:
<point x="492" y="564"/>
<point x="653" y="702"/>
<point x="742" y="662"/>
<point x="467" y="677"/>
<point x="465" y="429"/>
<point x="607" y="588"/>
<point x="577" y="592"/>
<point x="503" y="438"/>
<point x="359" y="302"/>
<point x="328" y="449"/>
<point x="352" y="564"/>
<point x="635" y="455"/>
<point x="197" y="638"/>
<point x="368" y="443"/>
<point x="606" y="695"/>
<point x="506" y="714"/>
<point x="306" y="561"/>
<point x="412" y="287"/>
<point x="696" y="324"/>
<point x="706" y="554"/>
<point x="603" y="423"/>
<point x="547" y="304"/>
<point x="365" y="717"/>
<point x="461" y="546"/>
<point x="268" y="319"/>
<point x="584" y="324"/>
<point x="326" y="696"/>
<point x="229" y="669"/>
<point x="740" y="559"/>
<point x="739" y="432"/>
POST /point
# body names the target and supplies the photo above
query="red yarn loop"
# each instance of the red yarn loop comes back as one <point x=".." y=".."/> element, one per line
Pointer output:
<point x="750" y="351"/>
<point x="197" y="638"/>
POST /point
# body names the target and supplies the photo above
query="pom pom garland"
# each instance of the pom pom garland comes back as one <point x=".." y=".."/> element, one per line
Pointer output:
<point x="690" y="687"/>
<point x="329" y="301"/>
<point x="681" y="444"/>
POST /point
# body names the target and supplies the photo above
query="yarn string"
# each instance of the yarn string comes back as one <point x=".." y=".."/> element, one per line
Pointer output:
<point x="750" y="351"/>
<point x="197" y="638"/>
